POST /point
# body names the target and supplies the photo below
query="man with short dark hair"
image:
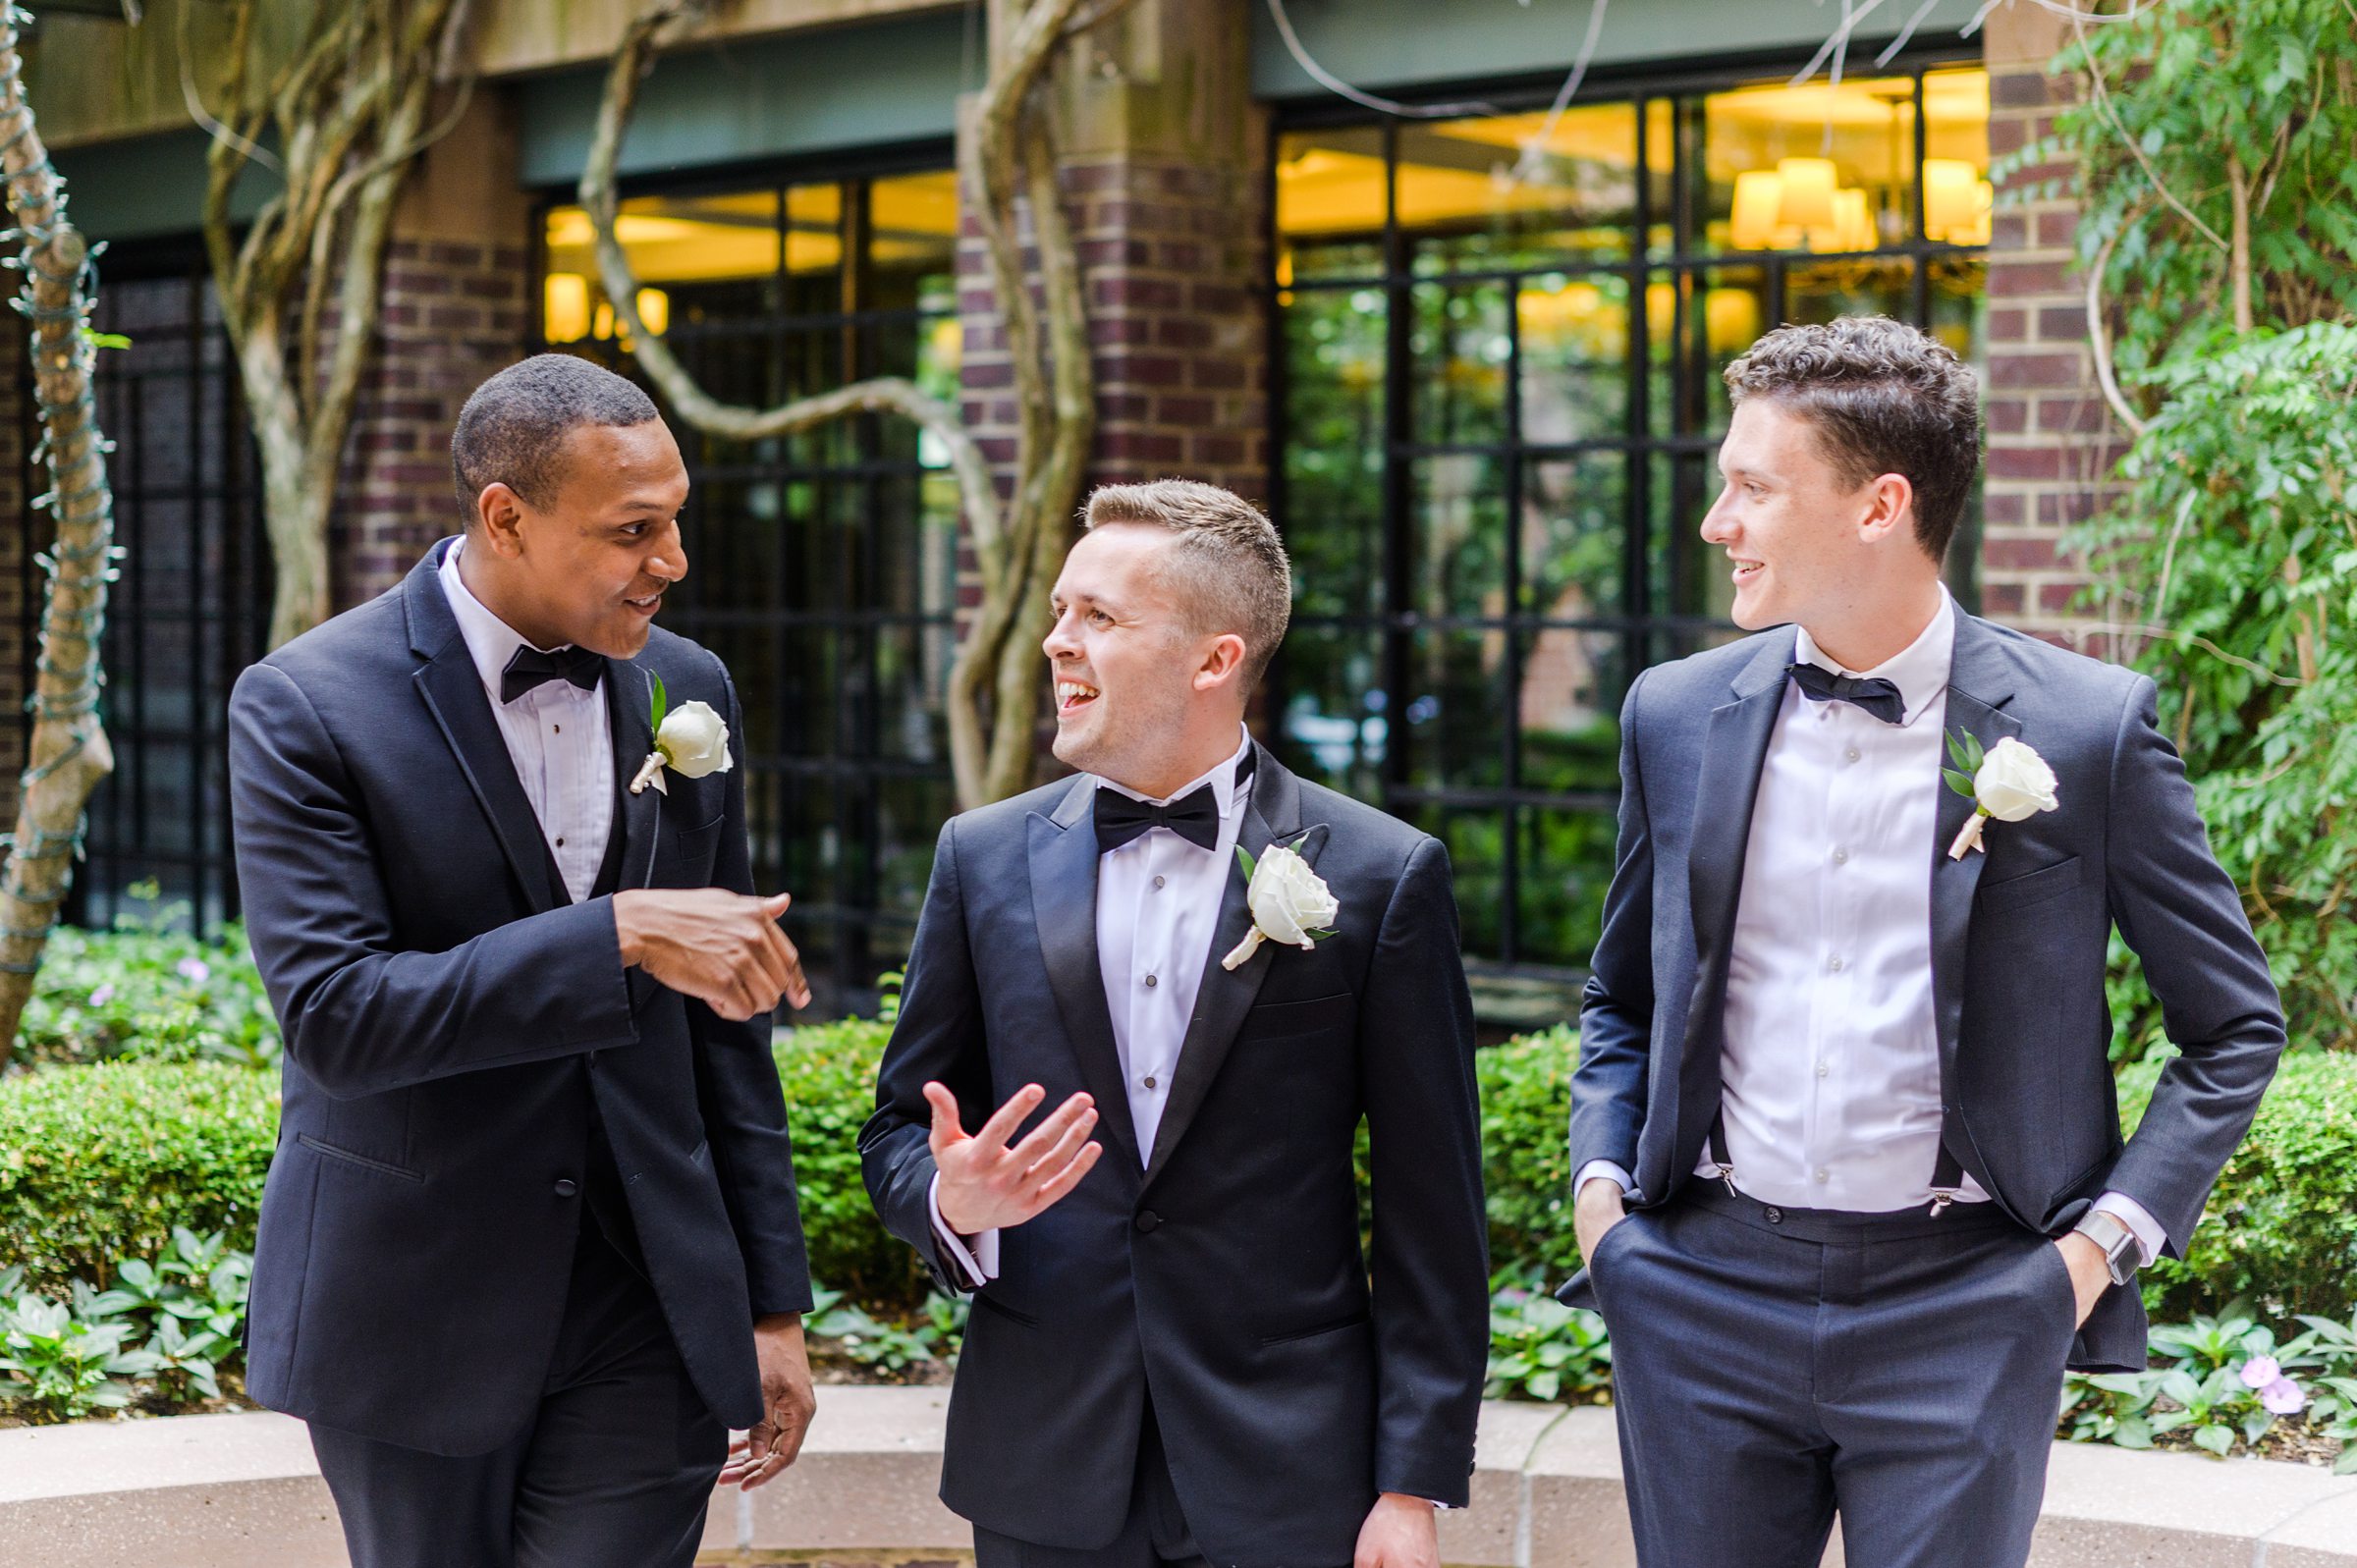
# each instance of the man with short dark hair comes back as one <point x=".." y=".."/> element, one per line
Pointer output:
<point x="530" y="1244"/>
<point x="1847" y="1158"/>
<point x="1178" y="1354"/>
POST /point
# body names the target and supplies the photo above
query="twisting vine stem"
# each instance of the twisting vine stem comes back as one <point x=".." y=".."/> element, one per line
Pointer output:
<point x="69" y="753"/>
<point x="1007" y="167"/>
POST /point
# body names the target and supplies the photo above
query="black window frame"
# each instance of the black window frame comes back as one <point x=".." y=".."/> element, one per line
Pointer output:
<point x="1508" y="987"/>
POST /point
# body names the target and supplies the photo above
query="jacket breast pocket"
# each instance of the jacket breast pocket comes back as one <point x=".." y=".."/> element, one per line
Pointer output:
<point x="2036" y="887"/>
<point x="1280" y="1020"/>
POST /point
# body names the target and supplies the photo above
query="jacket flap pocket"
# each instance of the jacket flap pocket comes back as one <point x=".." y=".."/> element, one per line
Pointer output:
<point x="2046" y="881"/>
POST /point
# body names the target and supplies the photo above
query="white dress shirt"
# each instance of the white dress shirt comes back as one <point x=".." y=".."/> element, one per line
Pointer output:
<point x="1831" y="1067"/>
<point x="1158" y="908"/>
<point x="558" y="736"/>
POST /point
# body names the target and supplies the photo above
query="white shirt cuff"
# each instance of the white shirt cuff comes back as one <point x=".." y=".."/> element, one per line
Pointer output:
<point x="2149" y="1232"/>
<point x="1601" y="1168"/>
<point x="981" y="1261"/>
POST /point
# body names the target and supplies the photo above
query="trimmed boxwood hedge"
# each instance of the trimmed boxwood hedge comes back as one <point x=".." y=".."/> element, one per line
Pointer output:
<point x="99" y="1162"/>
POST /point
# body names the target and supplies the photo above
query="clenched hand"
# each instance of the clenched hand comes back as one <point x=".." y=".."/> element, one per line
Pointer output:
<point x="986" y="1185"/>
<point x="723" y="949"/>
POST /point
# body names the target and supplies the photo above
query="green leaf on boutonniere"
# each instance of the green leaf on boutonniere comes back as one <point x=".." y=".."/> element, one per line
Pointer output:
<point x="1245" y="855"/>
<point x="1966" y="748"/>
<point x="1317" y="935"/>
<point x="662" y="699"/>
<point x="1960" y="783"/>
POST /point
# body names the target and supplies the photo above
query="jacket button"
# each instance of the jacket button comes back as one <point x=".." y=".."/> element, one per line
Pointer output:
<point x="1148" y="1219"/>
<point x="566" y="1187"/>
<point x="1775" y="1216"/>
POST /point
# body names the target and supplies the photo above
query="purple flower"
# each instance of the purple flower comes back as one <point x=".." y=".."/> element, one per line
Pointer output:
<point x="2284" y="1397"/>
<point x="2260" y="1370"/>
<point x="196" y="969"/>
<point x="102" y="995"/>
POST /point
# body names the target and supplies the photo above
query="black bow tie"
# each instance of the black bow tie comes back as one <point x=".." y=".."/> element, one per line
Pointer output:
<point x="1876" y="696"/>
<point x="1195" y="816"/>
<point x="531" y="666"/>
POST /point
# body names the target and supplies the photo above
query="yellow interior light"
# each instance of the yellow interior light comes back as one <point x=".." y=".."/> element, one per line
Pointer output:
<point x="654" y="311"/>
<point x="1759" y="194"/>
<point x="565" y="308"/>
<point x="1808" y="192"/>
<point x="1948" y="196"/>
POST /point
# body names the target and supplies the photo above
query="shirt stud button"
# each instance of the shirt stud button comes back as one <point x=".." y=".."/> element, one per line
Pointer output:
<point x="1823" y="1069"/>
<point x="1158" y="882"/>
<point x="1825" y="1176"/>
<point x="1841" y="857"/>
<point x="1852" y="755"/>
<point x="1835" y="965"/>
<point x="1150" y="981"/>
<point x="1150" y="1081"/>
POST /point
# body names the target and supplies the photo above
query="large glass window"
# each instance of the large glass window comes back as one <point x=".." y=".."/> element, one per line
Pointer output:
<point x="1498" y="405"/>
<point x="822" y="565"/>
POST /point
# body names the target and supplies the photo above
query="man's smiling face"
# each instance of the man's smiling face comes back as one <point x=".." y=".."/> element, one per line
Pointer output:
<point x="604" y="550"/>
<point x="1121" y="654"/>
<point x="1786" y="520"/>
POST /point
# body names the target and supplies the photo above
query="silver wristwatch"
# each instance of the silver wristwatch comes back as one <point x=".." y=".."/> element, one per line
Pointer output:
<point x="2122" y="1256"/>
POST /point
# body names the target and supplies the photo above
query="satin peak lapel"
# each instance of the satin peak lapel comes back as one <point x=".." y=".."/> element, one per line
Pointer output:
<point x="453" y="692"/>
<point x="630" y="715"/>
<point x="1979" y="685"/>
<point x="1063" y="851"/>
<point x="1273" y="815"/>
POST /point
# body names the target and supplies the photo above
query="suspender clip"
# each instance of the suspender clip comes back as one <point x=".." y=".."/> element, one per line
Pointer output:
<point x="1941" y="1197"/>
<point x="1726" y="1173"/>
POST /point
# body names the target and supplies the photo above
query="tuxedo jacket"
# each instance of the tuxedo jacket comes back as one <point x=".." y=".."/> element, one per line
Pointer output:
<point x="2018" y="941"/>
<point x="451" y="1019"/>
<point x="1221" y="1270"/>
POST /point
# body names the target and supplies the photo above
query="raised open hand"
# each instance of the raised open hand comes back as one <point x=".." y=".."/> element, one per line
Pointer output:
<point x="985" y="1183"/>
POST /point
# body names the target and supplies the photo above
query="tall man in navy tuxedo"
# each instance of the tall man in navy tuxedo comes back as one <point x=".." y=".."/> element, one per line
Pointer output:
<point x="1177" y="1352"/>
<point x="1848" y="1169"/>
<point x="529" y="1245"/>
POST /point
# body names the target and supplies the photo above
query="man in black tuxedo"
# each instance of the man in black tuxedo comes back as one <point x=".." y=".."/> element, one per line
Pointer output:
<point x="1177" y="1352"/>
<point x="530" y="1244"/>
<point x="1848" y="1158"/>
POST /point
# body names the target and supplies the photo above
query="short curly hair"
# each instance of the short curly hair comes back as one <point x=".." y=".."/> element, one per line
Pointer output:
<point x="513" y="426"/>
<point x="1885" y="397"/>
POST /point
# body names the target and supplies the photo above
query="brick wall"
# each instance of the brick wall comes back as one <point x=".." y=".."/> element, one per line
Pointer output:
<point x="2052" y="439"/>
<point x="1169" y="253"/>
<point x="454" y="312"/>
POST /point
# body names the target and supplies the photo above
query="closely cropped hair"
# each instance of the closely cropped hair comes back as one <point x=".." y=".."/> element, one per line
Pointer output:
<point x="1885" y="398"/>
<point x="1229" y="568"/>
<point x="513" y="429"/>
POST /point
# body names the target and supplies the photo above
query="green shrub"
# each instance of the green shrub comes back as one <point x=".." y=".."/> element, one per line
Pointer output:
<point x="1525" y="1153"/>
<point x="828" y="1071"/>
<point x="2281" y="1226"/>
<point x="103" y="1162"/>
<point x="147" y="993"/>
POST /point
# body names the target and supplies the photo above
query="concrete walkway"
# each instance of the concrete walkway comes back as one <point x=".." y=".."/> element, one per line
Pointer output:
<point x="241" y="1491"/>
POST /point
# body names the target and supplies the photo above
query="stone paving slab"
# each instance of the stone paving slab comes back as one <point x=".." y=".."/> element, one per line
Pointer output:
<point x="243" y="1492"/>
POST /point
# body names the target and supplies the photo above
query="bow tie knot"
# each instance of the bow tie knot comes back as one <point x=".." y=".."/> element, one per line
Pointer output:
<point x="1876" y="696"/>
<point x="529" y="668"/>
<point x="1193" y="816"/>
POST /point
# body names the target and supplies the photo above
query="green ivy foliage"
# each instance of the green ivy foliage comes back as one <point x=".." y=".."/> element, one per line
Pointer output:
<point x="2219" y="211"/>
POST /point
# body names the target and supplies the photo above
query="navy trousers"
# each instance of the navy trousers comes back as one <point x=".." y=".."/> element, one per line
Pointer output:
<point x="1155" y="1533"/>
<point x="1774" y="1367"/>
<point x="614" y="1472"/>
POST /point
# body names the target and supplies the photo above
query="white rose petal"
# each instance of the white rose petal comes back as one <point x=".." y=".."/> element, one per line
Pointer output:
<point x="694" y="741"/>
<point x="2013" y="783"/>
<point x="1288" y="900"/>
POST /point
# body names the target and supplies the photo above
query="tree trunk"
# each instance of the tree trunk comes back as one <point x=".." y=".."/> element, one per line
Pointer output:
<point x="69" y="753"/>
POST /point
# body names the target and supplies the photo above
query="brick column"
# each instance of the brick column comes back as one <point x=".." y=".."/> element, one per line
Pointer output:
<point x="1163" y="187"/>
<point x="456" y="310"/>
<point x="2052" y="439"/>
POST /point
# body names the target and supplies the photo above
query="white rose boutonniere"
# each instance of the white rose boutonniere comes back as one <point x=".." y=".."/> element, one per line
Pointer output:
<point x="692" y="740"/>
<point x="1289" y="902"/>
<point x="2009" y="781"/>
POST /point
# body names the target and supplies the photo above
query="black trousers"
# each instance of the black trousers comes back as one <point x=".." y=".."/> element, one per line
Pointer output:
<point x="1773" y="1367"/>
<point x="614" y="1471"/>
<point x="1154" y="1534"/>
